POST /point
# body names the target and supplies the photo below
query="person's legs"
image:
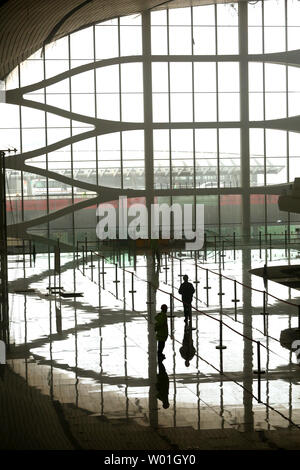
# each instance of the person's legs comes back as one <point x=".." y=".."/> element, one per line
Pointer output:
<point x="160" y="348"/>
<point x="186" y="311"/>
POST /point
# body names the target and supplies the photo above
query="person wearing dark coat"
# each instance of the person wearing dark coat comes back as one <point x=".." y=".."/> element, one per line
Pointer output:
<point x="187" y="291"/>
<point x="161" y="329"/>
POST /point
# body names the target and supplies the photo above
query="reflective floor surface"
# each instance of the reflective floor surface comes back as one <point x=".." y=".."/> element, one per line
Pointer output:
<point x="93" y="348"/>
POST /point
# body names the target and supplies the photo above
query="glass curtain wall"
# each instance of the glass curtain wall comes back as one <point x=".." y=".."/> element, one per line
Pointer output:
<point x="76" y="112"/>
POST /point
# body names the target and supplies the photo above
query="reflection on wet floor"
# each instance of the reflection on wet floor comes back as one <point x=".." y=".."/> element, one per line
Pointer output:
<point x="98" y="351"/>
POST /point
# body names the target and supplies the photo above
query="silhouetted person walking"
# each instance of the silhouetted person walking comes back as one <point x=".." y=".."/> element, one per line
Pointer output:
<point x="265" y="276"/>
<point x="161" y="328"/>
<point x="187" y="291"/>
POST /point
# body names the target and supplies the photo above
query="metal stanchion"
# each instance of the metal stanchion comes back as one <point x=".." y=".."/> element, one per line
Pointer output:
<point x="221" y="293"/>
<point x="205" y="247"/>
<point x="207" y="287"/>
<point x="235" y="300"/>
<point x="92" y="266"/>
<point x="180" y="269"/>
<point x="132" y="291"/>
<point x="116" y="281"/>
<point x="102" y="272"/>
<point x="270" y="245"/>
<point x="166" y="269"/>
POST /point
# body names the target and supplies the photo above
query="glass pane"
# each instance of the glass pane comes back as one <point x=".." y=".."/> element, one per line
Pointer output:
<point x="82" y="45"/>
<point x="275" y="105"/>
<point x="228" y="40"/>
<point x="160" y="107"/>
<point x="159" y="40"/>
<point x="256" y="106"/>
<point x="274" y="39"/>
<point x="204" y="40"/>
<point x="180" y="16"/>
<point x="228" y="76"/>
<point x="180" y="40"/>
<point x="133" y="107"/>
<point x="255" y="44"/>
<point x="180" y="77"/>
<point x="107" y="79"/>
<point x="131" y="40"/>
<point x="132" y="78"/>
<point x="160" y="77"/>
<point x="181" y="107"/>
<point x="205" y="107"/>
<point x="204" y="15"/>
<point x="229" y="106"/>
<point x="205" y="76"/>
<point x="107" y="42"/>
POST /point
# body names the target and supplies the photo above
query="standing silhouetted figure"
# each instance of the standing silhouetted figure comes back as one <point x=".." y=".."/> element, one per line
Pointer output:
<point x="161" y="328"/>
<point x="187" y="291"/>
<point x="265" y="276"/>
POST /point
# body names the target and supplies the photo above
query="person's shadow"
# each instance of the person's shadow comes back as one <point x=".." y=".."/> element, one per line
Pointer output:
<point x="187" y="349"/>
<point x="162" y="385"/>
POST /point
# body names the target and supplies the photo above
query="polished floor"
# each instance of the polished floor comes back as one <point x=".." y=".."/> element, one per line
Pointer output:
<point x="92" y="351"/>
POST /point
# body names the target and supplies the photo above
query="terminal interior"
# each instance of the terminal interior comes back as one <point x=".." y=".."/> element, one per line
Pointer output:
<point x="175" y="105"/>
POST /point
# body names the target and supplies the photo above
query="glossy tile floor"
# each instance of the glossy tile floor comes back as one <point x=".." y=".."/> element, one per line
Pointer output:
<point x="96" y="353"/>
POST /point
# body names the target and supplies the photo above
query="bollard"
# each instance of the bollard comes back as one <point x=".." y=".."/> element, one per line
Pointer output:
<point x="132" y="291"/>
<point x="77" y="250"/>
<point x="235" y="300"/>
<point x="207" y="289"/>
<point x="116" y="281"/>
<point x="205" y="248"/>
<point x="270" y="245"/>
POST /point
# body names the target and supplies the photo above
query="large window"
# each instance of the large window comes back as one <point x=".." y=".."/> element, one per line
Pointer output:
<point x="81" y="117"/>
